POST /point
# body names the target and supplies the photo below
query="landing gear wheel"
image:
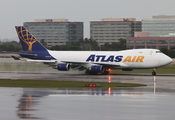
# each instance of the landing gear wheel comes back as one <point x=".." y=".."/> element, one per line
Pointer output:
<point x="105" y="73"/>
<point x="153" y="73"/>
<point x="90" y="73"/>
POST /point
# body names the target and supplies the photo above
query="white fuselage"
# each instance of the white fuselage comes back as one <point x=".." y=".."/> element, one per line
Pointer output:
<point x="134" y="59"/>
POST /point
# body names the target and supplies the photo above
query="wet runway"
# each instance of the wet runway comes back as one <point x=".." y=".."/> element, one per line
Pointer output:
<point x="153" y="102"/>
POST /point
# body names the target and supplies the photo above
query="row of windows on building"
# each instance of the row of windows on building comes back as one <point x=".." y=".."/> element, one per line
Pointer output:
<point x="100" y="24"/>
<point x="48" y="24"/>
<point x="53" y="33"/>
<point x="159" y="29"/>
<point x="47" y="28"/>
<point x="112" y="27"/>
<point x="56" y="24"/>
<point x="159" y="21"/>
<point x="154" y="47"/>
<point x="44" y="37"/>
<point x="55" y="39"/>
<point x="41" y="37"/>
<point x="54" y="28"/>
<point x="55" y="36"/>
<point x="150" y="42"/>
<point x="128" y="29"/>
<point x="48" y="34"/>
<point x="55" y="42"/>
<point x="108" y="39"/>
<point x="109" y="36"/>
<point x="152" y="34"/>
<point x="161" y="25"/>
<point x="56" y="31"/>
<point x="113" y="33"/>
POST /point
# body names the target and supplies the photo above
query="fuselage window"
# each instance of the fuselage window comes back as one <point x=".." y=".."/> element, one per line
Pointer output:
<point x="158" y="52"/>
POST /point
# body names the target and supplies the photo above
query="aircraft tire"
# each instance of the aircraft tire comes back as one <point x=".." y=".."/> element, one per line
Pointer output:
<point x="105" y="73"/>
<point x="153" y="73"/>
<point x="90" y="73"/>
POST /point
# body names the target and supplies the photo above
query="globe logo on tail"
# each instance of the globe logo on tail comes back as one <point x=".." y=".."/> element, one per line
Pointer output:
<point x="26" y="37"/>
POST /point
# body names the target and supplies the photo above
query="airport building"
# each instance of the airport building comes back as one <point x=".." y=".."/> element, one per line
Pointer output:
<point x="159" y="26"/>
<point x="55" y="31"/>
<point x="157" y="33"/>
<point x="142" y="40"/>
<point x="110" y="30"/>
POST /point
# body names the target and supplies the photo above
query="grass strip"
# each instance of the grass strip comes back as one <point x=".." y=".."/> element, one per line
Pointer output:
<point x="60" y="84"/>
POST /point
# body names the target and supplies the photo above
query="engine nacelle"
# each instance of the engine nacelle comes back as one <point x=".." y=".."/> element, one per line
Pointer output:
<point x="97" y="68"/>
<point x="63" y="66"/>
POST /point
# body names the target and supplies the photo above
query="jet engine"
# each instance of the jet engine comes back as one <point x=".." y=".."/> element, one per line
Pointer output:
<point x="63" y="66"/>
<point x="97" y="68"/>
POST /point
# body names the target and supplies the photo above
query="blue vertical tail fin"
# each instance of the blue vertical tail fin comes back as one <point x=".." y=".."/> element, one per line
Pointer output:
<point x="28" y="41"/>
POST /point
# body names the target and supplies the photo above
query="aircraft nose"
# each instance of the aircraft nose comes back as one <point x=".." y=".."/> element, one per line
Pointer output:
<point x="165" y="60"/>
<point x="169" y="60"/>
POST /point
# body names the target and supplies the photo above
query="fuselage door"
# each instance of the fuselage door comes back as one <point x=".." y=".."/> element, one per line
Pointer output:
<point x="151" y="52"/>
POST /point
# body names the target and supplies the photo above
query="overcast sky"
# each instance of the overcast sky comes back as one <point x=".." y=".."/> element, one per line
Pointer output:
<point x="15" y="12"/>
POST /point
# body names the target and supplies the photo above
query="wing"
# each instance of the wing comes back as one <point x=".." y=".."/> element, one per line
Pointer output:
<point x="106" y="65"/>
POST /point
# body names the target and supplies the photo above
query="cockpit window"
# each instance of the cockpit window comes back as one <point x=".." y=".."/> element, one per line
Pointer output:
<point x="158" y="52"/>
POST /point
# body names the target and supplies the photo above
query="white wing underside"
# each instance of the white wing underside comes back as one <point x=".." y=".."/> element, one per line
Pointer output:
<point x="83" y="64"/>
<point x="108" y="64"/>
<point x="80" y="65"/>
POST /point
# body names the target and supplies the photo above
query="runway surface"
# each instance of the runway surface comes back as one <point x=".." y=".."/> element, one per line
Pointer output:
<point x="152" y="102"/>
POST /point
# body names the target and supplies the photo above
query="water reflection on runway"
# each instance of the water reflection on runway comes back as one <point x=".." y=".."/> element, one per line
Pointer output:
<point x="26" y="102"/>
<point x="154" y="101"/>
<point x="38" y="103"/>
<point x="30" y="99"/>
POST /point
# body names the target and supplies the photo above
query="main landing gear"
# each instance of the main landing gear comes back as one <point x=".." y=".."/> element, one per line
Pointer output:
<point x="94" y="73"/>
<point x="154" y="72"/>
<point x="90" y="73"/>
<point x="105" y="73"/>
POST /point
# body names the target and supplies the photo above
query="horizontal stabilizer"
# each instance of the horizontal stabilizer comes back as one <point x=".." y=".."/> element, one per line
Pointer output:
<point x="15" y="58"/>
<point x="43" y="61"/>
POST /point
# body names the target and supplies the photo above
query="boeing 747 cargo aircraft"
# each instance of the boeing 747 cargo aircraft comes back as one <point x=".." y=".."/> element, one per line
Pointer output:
<point x="92" y="61"/>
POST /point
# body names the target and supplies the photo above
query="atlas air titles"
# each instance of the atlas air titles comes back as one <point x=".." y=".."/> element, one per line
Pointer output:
<point x="112" y="58"/>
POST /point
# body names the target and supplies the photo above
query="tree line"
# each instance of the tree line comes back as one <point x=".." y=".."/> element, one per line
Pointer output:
<point x="80" y="45"/>
<point x="12" y="46"/>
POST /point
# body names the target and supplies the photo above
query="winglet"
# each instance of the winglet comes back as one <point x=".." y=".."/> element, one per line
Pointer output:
<point x="14" y="57"/>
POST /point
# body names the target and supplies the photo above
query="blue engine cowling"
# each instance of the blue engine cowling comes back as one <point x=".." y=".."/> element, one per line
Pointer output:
<point x="97" y="68"/>
<point x="63" y="66"/>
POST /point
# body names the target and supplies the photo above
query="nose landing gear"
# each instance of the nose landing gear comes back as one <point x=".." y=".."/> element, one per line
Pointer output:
<point x="154" y="72"/>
